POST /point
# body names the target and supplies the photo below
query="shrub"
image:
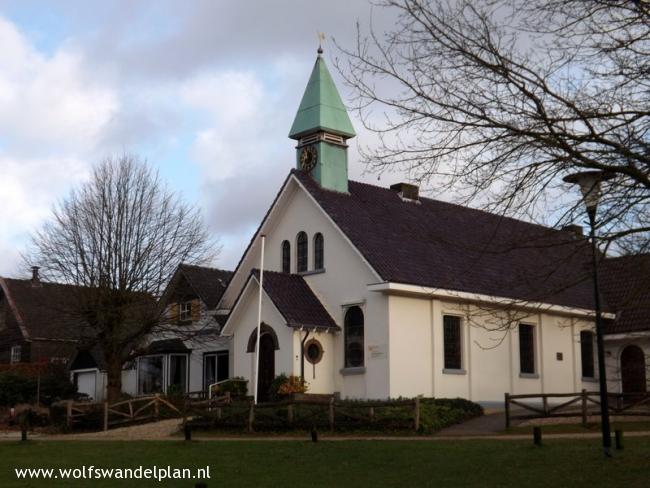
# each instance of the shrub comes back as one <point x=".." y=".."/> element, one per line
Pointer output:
<point x="56" y="386"/>
<point x="236" y="386"/>
<point x="16" y="388"/>
<point x="284" y="386"/>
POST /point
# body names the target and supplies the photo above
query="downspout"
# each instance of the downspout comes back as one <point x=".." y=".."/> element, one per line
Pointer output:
<point x="302" y="357"/>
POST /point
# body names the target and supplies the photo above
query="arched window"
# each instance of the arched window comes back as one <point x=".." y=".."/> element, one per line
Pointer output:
<point x="302" y="252"/>
<point x="286" y="257"/>
<point x="353" y="337"/>
<point x="319" y="251"/>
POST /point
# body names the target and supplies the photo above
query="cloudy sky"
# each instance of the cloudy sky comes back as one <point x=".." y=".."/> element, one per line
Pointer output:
<point x="205" y="90"/>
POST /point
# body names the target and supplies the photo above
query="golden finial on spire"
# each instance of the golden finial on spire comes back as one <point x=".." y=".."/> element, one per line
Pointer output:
<point x="321" y="38"/>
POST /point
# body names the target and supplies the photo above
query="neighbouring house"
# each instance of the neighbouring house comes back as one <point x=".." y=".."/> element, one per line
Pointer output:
<point x="37" y="326"/>
<point x="374" y="292"/>
<point x="190" y="354"/>
<point x="626" y="289"/>
<point x="34" y="323"/>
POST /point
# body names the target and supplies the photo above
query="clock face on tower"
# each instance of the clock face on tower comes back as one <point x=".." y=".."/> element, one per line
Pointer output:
<point x="308" y="158"/>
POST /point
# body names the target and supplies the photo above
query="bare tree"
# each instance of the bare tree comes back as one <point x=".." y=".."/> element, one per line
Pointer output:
<point x="119" y="238"/>
<point x="497" y="100"/>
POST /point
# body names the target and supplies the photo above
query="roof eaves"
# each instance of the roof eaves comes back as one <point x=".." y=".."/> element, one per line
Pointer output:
<point x="14" y="308"/>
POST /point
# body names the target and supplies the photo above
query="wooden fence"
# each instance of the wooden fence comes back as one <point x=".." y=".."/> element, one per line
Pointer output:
<point x="142" y="409"/>
<point x="580" y="405"/>
<point x="149" y="408"/>
<point x="332" y="408"/>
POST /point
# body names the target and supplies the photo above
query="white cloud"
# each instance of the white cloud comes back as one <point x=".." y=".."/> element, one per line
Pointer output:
<point x="49" y="101"/>
<point x="52" y="114"/>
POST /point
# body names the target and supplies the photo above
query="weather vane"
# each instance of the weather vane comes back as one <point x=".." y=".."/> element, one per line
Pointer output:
<point x="321" y="38"/>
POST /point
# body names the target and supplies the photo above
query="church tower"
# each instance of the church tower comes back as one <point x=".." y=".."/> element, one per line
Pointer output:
<point x="322" y="128"/>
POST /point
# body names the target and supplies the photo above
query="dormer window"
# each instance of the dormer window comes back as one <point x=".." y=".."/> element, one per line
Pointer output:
<point x="302" y="252"/>
<point x="319" y="251"/>
<point x="286" y="257"/>
<point x="16" y="353"/>
<point x="185" y="312"/>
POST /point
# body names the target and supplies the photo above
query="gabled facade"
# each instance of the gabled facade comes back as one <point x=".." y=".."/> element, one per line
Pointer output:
<point x="428" y="298"/>
<point x="35" y="324"/>
<point x="190" y="355"/>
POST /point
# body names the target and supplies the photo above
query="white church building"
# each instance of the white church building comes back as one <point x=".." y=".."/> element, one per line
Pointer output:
<point x="374" y="292"/>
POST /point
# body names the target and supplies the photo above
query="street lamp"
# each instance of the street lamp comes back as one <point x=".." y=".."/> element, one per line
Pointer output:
<point x="589" y="183"/>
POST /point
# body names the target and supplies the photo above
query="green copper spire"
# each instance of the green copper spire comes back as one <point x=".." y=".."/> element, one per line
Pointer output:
<point x="322" y="127"/>
<point x="321" y="108"/>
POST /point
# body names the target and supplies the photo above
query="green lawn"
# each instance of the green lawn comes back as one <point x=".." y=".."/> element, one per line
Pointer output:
<point x="345" y="463"/>
<point x="635" y="426"/>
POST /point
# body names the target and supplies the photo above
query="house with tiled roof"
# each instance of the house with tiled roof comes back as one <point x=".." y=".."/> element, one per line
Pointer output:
<point x="190" y="354"/>
<point x="35" y="321"/>
<point x="372" y="292"/>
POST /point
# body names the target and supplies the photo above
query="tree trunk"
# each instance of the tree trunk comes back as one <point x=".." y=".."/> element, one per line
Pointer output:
<point x="114" y="379"/>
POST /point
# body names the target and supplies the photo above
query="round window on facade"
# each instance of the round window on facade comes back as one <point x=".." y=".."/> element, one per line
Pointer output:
<point x="313" y="351"/>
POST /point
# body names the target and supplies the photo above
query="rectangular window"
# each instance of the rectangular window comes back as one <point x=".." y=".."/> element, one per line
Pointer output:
<point x="150" y="375"/>
<point x="587" y="353"/>
<point x="16" y="353"/>
<point x="452" y="342"/>
<point x="177" y="373"/>
<point x="215" y="368"/>
<point x="527" y="348"/>
<point x="185" y="312"/>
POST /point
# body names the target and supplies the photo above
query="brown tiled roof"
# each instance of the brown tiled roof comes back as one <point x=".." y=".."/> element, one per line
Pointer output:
<point x="626" y="288"/>
<point x="441" y="245"/>
<point x="296" y="301"/>
<point x="208" y="283"/>
<point x="46" y="311"/>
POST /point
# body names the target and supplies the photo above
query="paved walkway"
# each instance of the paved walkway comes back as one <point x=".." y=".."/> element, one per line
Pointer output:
<point x="486" y="425"/>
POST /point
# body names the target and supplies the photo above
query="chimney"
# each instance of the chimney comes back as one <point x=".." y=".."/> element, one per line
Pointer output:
<point x="575" y="229"/>
<point x="406" y="191"/>
<point x="36" y="280"/>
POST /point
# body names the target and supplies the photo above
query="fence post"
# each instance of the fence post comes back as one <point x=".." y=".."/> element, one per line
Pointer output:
<point x="506" y="404"/>
<point x="619" y="439"/>
<point x="156" y="406"/>
<point x="371" y="412"/>
<point x="105" y="415"/>
<point x="68" y="414"/>
<point x="331" y="414"/>
<point x="545" y="404"/>
<point x="251" y="416"/>
<point x="584" y="408"/>
<point x="416" y="414"/>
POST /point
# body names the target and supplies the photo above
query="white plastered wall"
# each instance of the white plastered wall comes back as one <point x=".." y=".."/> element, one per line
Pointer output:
<point x="490" y="355"/>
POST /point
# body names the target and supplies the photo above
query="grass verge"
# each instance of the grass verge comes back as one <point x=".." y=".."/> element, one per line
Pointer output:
<point x="343" y="463"/>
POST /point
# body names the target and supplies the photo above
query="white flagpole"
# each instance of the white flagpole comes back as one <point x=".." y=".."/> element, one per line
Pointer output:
<point x="259" y="321"/>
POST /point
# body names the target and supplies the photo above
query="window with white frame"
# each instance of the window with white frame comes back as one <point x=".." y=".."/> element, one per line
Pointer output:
<point x="150" y="374"/>
<point x="215" y="368"/>
<point x="185" y="311"/>
<point x="177" y="377"/>
<point x="16" y="353"/>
